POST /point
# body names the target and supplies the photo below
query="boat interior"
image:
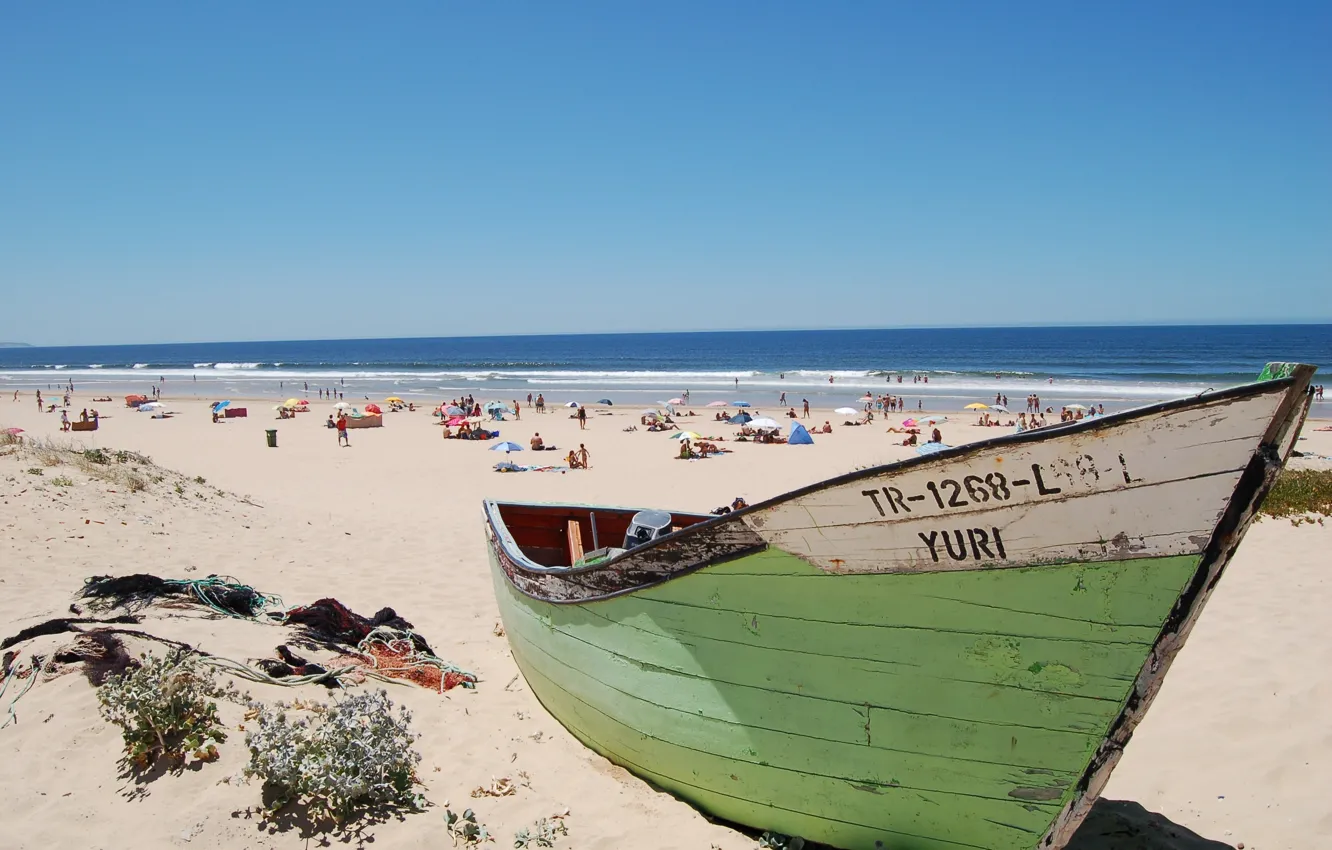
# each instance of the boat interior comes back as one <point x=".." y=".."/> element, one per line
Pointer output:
<point x="572" y="535"/>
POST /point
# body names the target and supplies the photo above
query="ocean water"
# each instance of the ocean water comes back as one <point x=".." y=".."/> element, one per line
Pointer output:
<point x="1116" y="366"/>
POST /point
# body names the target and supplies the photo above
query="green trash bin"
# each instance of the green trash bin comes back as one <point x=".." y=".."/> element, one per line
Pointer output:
<point x="272" y="438"/>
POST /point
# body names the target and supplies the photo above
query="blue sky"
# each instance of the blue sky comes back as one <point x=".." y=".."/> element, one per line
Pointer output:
<point x="177" y="172"/>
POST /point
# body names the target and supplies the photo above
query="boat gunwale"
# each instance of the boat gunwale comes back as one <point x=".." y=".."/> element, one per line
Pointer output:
<point x="513" y="551"/>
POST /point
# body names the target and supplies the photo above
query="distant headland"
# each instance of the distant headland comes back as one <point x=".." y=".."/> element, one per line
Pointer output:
<point x="14" y="345"/>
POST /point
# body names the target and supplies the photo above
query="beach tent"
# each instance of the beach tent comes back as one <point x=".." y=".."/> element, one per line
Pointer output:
<point x="799" y="436"/>
<point x="572" y="404"/>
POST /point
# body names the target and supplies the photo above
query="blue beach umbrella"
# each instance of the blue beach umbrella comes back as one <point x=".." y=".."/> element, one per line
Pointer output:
<point x="221" y="404"/>
<point x="497" y="405"/>
<point x="605" y="401"/>
<point x="506" y="447"/>
<point x="741" y="404"/>
<point x="454" y="410"/>
<point x="741" y="418"/>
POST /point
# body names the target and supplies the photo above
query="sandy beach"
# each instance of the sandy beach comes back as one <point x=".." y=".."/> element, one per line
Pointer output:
<point x="1235" y="751"/>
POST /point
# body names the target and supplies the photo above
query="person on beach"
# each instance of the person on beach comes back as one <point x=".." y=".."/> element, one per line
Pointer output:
<point x="935" y="436"/>
<point x="781" y="401"/>
<point x="582" y="418"/>
<point x="805" y="401"/>
<point x="343" y="439"/>
<point x="64" y="420"/>
<point x="517" y="411"/>
<point x="538" y="444"/>
<point x="572" y="460"/>
<point x="39" y="401"/>
<point x="584" y="459"/>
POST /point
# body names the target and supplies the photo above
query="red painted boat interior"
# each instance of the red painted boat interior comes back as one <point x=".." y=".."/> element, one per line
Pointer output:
<point x="550" y="534"/>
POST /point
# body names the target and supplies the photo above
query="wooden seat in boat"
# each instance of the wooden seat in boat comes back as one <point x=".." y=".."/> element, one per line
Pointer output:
<point x="575" y="533"/>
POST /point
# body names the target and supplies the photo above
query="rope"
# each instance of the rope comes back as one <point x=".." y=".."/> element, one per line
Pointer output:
<point x="243" y="671"/>
<point x="399" y="645"/>
<point x="35" y="670"/>
<point x="201" y="586"/>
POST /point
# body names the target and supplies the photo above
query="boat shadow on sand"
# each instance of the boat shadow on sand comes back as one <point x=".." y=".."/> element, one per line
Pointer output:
<point x="1124" y="825"/>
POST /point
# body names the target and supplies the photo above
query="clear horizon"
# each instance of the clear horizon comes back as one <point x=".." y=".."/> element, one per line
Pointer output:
<point x="298" y="172"/>
<point x="1047" y="326"/>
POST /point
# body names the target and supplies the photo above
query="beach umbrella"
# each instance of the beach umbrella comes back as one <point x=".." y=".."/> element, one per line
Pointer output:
<point x="1077" y="407"/>
<point x="931" y="420"/>
<point x="151" y="405"/>
<point x="977" y="406"/>
<point x="763" y="422"/>
<point x="13" y="432"/>
<point x="455" y="422"/>
<point x="572" y="404"/>
<point x="999" y="407"/>
<point x="676" y="401"/>
<point x="741" y="418"/>
<point x="221" y="404"/>
<point x="741" y="403"/>
<point x="292" y="402"/>
<point x="605" y="401"/>
<point x="342" y="405"/>
<point x="686" y="435"/>
<point x="454" y="410"/>
<point x="717" y="404"/>
<point x="373" y="408"/>
<point x="846" y="411"/>
<point x="908" y="423"/>
<point x="651" y="411"/>
<point x="393" y="400"/>
<point x="506" y="447"/>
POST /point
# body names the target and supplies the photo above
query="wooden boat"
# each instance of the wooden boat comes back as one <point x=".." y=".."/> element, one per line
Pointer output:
<point x="947" y="652"/>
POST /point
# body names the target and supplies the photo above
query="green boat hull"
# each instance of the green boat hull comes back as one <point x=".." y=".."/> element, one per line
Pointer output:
<point x="947" y="652"/>
<point x="905" y="711"/>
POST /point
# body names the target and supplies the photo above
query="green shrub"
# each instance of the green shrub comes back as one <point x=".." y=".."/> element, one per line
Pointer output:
<point x="166" y="708"/>
<point x="62" y="481"/>
<point x="341" y="759"/>
<point x="1300" y="491"/>
<point x="465" y="829"/>
<point x="544" y="833"/>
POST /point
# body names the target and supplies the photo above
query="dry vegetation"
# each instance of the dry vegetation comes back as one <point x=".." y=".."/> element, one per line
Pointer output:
<point x="1300" y="493"/>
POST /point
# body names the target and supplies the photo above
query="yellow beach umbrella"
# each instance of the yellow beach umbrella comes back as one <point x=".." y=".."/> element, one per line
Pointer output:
<point x="292" y="402"/>
<point x="393" y="400"/>
<point x="978" y="406"/>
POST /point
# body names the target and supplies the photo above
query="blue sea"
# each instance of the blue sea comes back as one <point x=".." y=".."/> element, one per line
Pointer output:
<point x="1116" y="366"/>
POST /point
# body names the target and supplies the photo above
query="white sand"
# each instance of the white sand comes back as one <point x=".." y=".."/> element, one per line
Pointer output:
<point x="1237" y="748"/>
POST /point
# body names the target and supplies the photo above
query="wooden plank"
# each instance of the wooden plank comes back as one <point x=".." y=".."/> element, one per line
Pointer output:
<point x="854" y="762"/>
<point x="575" y="536"/>
<point x="982" y="821"/>
<point x="794" y="714"/>
<point x="1153" y="486"/>
<point x="1110" y="603"/>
